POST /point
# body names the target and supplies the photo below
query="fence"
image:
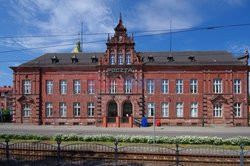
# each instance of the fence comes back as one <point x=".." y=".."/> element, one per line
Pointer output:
<point x="39" y="153"/>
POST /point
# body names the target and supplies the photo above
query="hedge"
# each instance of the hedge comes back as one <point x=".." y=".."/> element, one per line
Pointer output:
<point x="133" y="139"/>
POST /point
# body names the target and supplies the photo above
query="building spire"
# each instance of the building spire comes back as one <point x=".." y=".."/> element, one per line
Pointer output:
<point x="120" y="17"/>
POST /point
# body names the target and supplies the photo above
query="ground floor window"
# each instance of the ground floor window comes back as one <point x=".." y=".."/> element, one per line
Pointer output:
<point x="26" y="110"/>
<point x="77" y="109"/>
<point x="164" y="109"/>
<point x="237" y="110"/>
<point x="151" y="109"/>
<point x="179" y="109"/>
<point x="63" y="109"/>
<point x="91" y="108"/>
<point x="194" y="109"/>
<point x="49" y="108"/>
<point x="218" y="110"/>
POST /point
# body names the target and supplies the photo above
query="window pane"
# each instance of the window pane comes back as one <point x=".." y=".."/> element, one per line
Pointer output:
<point x="164" y="109"/>
<point x="179" y="109"/>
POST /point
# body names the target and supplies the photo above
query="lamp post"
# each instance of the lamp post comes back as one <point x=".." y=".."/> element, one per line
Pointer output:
<point x="154" y="127"/>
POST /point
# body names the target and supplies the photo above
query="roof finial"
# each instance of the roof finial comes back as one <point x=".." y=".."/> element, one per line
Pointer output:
<point x="247" y="52"/>
<point x="120" y="17"/>
<point x="108" y="37"/>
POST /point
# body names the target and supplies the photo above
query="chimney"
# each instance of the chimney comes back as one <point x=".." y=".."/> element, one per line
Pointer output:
<point x="54" y="59"/>
<point x="74" y="59"/>
<point x="151" y="58"/>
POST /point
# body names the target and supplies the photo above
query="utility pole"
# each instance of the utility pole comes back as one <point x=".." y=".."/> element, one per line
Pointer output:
<point x="154" y="126"/>
<point x="81" y="50"/>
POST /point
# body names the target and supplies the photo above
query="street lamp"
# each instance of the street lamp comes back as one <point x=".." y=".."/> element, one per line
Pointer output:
<point x="154" y="127"/>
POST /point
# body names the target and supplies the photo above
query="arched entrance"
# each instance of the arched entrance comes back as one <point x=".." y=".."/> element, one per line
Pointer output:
<point x="112" y="111"/>
<point x="127" y="111"/>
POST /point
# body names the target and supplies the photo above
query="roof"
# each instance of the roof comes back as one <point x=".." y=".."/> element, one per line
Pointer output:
<point x="159" y="58"/>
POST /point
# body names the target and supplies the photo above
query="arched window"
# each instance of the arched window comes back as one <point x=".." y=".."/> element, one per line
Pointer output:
<point x="112" y="59"/>
<point x="120" y="58"/>
<point x="128" y="58"/>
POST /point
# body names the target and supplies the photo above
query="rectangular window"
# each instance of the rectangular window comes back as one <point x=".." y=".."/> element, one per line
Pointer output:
<point x="49" y="109"/>
<point x="217" y="86"/>
<point x="194" y="109"/>
<point x="217" y="110"/>
<point x="120" y="59"/>
<point x="128" y="86"/>
<point x="237" y="86"/>
<point x="164" y="86"/>
<point x="150" y="86"/>
<point x="26" y="110"/>
<point x="63" y="87"/>
<point x="179" y="109"/>
<point x="151" y="109"/>
<point x="77" y="86"/>
<point x="49" y="86"/>
<point x="26" y="86"/>
<point x="179" y="86"/>
<point x="164" y="109"/>
<point x="113" y="86"/>
<point x="63" y="109"/>
<point x="91" y="108"/>
<point x="91" y="86"/>
<point x="112" y="59"/>
<point x="237" y="110"/>
<point x="128" y="59"/>
<point x="193" y="86"/>
<point x="77" y="109"/>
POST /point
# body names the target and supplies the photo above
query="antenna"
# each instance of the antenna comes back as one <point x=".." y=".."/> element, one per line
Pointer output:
<point x="81" y="37"/>
<point x="170" y="37"/>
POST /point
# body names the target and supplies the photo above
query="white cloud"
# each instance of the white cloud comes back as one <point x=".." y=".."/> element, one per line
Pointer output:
<point x="237" y="47"/>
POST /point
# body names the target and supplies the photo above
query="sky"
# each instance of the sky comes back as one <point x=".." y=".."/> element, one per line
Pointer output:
<point x="40" y="24"/>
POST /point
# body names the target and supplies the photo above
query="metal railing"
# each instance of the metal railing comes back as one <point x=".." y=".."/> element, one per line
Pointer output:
<point x="39" y="153"/>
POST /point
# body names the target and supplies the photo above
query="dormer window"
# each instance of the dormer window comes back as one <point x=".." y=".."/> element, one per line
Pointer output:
<point x="94" y="59"/>
<point x="170" y="58"/>
<point x="120" y="59"/>
<point x="128" y="59"/>
<point x="74" y="59"/>
<point x="112" y="59"/>
<point x="192" y="58"/>
<point x="151" y="58"/>
<point x="54" y="59"/>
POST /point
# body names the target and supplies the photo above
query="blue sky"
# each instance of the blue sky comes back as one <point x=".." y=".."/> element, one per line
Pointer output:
<point x="53" y="17"/>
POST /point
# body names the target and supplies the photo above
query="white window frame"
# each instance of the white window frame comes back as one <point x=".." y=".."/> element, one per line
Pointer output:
<point x="26" y="110"/>
<point x="194" y="110"/>
<point x="49" y="109"/>
<point x="91" y="86"/>
<point x="194" y="86"/>
<point x="217" y="86"/>
<point x="237" y="110"/>
<point x="217" y="110"/>
<point x="120" y="58"/>
<point x="77" y="86"/>
<point x="112" y="59"/>
<point x="128" y="59"/>
<point x="27" y="86"/>
<point x="179" y="86"/>
<point x="63" y="109"/>
<point x="49" y="86"/>
<point x="179" y="109"/>
<point x="113" y="86"/>
<point x="128" y="86"/>
<point x="165" y="109"/>
<point x="77" y="109"/>
<point x="63" y="87"/>
<point x="164" y="86"/>
<point x="151" y="109"/>
<point x="150" y="86"/>
<point x="237" y="86"/>
<point x="91" y="109"/>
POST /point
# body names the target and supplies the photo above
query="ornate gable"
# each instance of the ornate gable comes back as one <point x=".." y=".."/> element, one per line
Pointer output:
<point x="25" y="99"/>
<point x="218" y="99"/>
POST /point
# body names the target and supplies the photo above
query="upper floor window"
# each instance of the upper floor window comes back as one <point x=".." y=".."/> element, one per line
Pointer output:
<point x="77" y="108"/>
<point x="112" y="85"/>
<point x="49" y="86"/>
<point x="237" y="110"/>
<point x="164" y="86"/>
<point x="179" y="86"/>
<point x="151" y="109"/>
<point x="179" y="109"/>
<point x="63" y="109"/>
<point x="26" y="86"/>
<point x="194" y="109"/>
<point x="26" y="110"/>
<point x="128" y="86"/>
<point x="128" y="59"/>
<point x="217" y="110"/>
<point x="164" y="109"/>
<point x="193" y="86"/>
<point x="112" y="59"/>
<point x="217" y="86"/>
<point x="120" y="59"/>
<point x="49" y="109"/>
<point x="91" y="86"/>
<point x="150" y="86"/>
<point x="63" y="87"/>
<point x="77" y="86"/>
<point x="237" y="86"/>
<point x="91" y="108"/>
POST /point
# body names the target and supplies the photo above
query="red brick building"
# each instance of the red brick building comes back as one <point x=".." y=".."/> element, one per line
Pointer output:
<point x="6" y="98"/>
<point x="120" y="86"/>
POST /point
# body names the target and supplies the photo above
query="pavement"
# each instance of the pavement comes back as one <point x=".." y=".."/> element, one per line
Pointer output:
<point x="220" y="131"/>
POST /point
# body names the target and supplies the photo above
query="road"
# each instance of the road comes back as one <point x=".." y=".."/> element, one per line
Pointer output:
<point x="220" y="131"/>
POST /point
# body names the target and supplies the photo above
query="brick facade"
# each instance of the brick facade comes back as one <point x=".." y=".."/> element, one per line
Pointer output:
<point x="119" y="109"/>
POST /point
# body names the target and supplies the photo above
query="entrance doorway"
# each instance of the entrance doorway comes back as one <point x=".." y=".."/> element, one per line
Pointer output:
<point x="112" y="111"/>
<point x="127" y="111"/>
